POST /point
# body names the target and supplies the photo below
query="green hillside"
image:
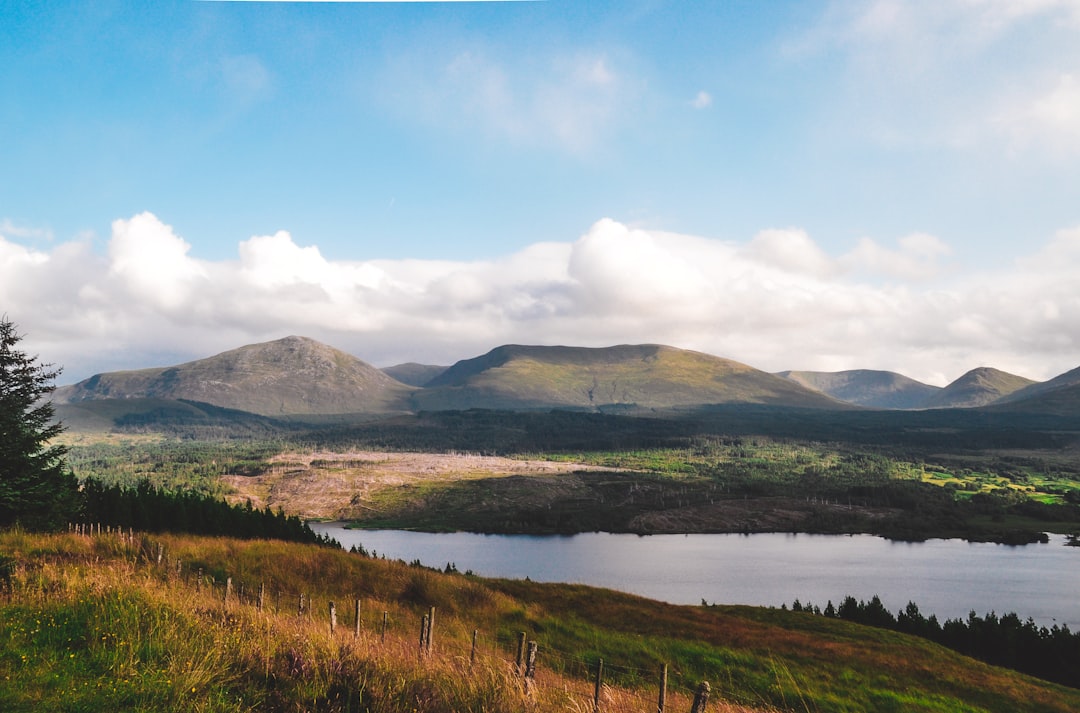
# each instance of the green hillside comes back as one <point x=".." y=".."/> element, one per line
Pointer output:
<point x="1058" y="393"/>
<point x="866" y="387"/>
<point x="1062" y="401"/>
<point x="181" y="623"/>
<point x="978" y="387"/>
<point x="612" y="378"/>
<point x="289" y="376"/>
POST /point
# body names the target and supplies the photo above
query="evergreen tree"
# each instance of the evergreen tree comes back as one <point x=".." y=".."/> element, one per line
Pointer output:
<point x="36" y="488"/>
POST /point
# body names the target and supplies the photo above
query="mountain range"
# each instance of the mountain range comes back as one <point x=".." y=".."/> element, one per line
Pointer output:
<point x="297" y="376"/>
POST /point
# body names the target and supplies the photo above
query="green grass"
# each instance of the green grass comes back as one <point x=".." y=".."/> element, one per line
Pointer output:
<point x="91" y="624"/>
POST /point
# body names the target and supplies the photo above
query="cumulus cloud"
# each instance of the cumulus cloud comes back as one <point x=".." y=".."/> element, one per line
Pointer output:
<point x="776" y="301"/>
<point x="702" y="100"/>
<point x="916" y="259"/>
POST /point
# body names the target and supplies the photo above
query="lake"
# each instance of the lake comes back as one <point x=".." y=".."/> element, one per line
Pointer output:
<point x="948" y="578"/>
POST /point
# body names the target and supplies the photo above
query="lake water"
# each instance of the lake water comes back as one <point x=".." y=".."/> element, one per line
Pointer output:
<point x="948" y="578"/>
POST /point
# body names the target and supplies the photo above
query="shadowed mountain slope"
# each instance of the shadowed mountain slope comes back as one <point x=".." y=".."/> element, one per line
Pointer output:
<point x="978" y="387"/>
<point x="294" y="375"/>
<point x="1060" y="395"/>
<point x="1069" y="378"/>
<point x="414" y="374"/>
<point x="628" y="376"/>
<point x="866" y="387"/>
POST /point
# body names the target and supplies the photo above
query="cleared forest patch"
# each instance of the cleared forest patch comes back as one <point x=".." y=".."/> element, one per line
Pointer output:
<point x="333" y="486"/>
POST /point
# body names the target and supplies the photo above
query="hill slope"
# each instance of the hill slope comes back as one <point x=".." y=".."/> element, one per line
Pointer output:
<point x="644" y="376"/>
<point x="978" y="387"/>
<point x="1062" y="401"/>
<point x="120" y="630"/>
<point x="1032" y="393"/>
<point x="866" y="387"/>
<point x="294" y="375"/>
<point x="414" y="374"/>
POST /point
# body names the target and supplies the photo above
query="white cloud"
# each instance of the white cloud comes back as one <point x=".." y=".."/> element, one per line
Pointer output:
<point x="702" y="100"/>
<point x="10" y="229"/>
<point x="776" y="301"/>
<point x="916" y="259"/>
<point x="790" y="250"/>
<point x="151" y="262"/>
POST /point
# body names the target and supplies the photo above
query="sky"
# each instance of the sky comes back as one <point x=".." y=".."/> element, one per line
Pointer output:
<point x="814" y="184"/>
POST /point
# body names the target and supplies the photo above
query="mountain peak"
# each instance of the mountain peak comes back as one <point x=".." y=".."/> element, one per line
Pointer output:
<point x="292" y="375"/>
<point x="866" y="387"/>
<point x="978" y="387"/>
<point x="640" y="376"/>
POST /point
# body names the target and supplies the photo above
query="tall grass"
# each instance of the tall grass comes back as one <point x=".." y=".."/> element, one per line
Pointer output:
<point x="97" y="624"/>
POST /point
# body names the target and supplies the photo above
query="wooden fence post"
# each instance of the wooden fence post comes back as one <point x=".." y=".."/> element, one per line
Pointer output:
<point x="356" y="629"/>
<point x="423" y="633"/>
<point x="530" y="662"/>
<point x="262" y="595"/>
<point x="663" y="690"/>
<point x="701" y="698"/>
<point x="430" y="628"/>
<point x="333" y="618"/>
<point x="228" y="589"/>
<point x="520" y="660"/>
<point x="384" y="617"/>
<point x="300" y="605"/>
<point x="472" y="652"/>
<point x="198" y="581"/>
<point x="599" y="684"/>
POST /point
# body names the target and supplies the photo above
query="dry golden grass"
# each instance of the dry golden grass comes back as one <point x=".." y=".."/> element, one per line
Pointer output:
<point x="156" y="636"/>
<point x="97" y="623"/>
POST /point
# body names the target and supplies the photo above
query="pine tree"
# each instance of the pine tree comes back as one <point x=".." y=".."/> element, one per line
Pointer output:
<point x="36" y="488"/>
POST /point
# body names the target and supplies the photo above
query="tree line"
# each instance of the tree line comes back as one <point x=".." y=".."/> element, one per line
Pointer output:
<point x="147" y="508"/>
<point x="1052" y="654"/>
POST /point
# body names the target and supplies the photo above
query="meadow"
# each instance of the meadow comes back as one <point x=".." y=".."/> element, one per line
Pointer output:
<point x="136" y="622"/>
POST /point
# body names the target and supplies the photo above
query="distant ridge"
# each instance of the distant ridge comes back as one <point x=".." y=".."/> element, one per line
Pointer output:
<point x="866" y="387"/>
<point x="646" y="376"/>
<point x="298" y="376"/>
<point x="978" y="387"/>
<point x="414" y="374"/>
<point x="294" y="375"/>
<point x="1060" y="395"/>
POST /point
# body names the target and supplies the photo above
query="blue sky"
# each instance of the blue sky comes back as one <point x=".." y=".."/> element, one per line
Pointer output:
<point x="815" y="185"/>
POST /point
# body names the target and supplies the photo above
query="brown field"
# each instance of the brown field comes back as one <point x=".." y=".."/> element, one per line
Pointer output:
<point x="331" y="486"/>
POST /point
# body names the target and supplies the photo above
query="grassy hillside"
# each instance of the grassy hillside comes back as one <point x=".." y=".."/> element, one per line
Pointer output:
<point x="1060" y="395"/>
<point x="978" y="387"/>
<point x="866" y="387"/>
<point x="628" y="376"/>
<point x="294" y="375"/>
<point x="106" y="623"/>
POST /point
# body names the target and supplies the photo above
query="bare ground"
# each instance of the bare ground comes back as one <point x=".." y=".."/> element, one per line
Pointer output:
<point x="326" y="485"/>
